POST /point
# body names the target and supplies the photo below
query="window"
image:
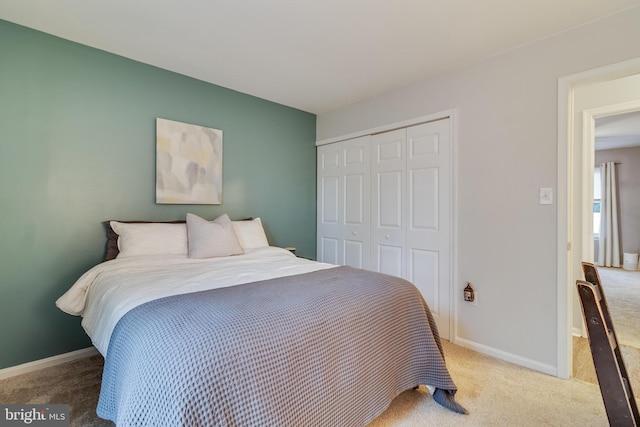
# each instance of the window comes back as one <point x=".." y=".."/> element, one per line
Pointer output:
<point x="597" y="200"/>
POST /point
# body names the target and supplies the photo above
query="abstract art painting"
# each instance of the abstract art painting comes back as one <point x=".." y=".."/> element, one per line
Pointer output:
<point x="188" y="164"/>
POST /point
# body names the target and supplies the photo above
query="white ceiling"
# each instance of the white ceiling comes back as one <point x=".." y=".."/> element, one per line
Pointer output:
<point x="619" y="131"/>
<point x="315" y="55"/>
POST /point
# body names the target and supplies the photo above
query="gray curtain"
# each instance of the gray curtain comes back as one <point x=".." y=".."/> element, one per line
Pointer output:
<point x="609" y="246"/>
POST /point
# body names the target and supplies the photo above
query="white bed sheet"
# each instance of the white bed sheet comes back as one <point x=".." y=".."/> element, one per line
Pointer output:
<point x="109" y="290"/>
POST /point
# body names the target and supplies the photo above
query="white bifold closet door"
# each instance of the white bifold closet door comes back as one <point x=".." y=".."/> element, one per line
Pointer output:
<point x="344" y="203"/>
<point x="410" y="214"/>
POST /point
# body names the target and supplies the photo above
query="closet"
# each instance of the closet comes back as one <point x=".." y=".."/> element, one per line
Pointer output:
<point x="384" y="204"/>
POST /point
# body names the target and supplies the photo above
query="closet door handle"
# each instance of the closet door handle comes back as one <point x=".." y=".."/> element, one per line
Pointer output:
<point x="386" y="236"/>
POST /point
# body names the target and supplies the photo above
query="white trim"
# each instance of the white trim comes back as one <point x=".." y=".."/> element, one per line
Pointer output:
<point x="563" y="229"/>
<point x="391" y="126"/>
<point x="588" y="158"/>
<point x="588" y="162"/>
<point x="589" y="117"/>
<point x="509" y="357"/>
<point x="564" y="198"/>
<point x="579" y="332"/>
<point x="612" y="110"/>
<point x="453" y="220"/>
<point x="48" y="362"/>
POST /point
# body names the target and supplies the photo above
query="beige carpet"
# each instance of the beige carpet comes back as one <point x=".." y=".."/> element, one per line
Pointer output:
<point x="584" y="370"/>
<point x="496" y="393"/>
<point x="75" y="383"/>
<point x="622" y="290"/>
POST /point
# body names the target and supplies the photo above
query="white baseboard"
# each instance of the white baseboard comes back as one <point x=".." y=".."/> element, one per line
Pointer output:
<point x="578" y="332"/>
<point x="24" y="368"/>
<point x="512" y="358"/>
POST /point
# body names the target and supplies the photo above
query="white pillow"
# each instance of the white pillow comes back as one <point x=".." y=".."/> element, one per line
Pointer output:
<point x="150" y="239"/>
<point x="250" y="233"/>
<point x="209" y="239"/>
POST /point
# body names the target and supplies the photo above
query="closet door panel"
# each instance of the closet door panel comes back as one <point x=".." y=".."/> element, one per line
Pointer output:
<point x="388" y="194"/>
<point x="390" y="199"/>
<point x="356" y="227"/>
<point x="329" y="250"/>
<point x="329" y="209"/>
<point x="428" y="228"/>
<point x="357" y="202"/>
<point x="354" y="254"/>
<point x="330" y="188"/>
<point x="423" y="196"/>
<point x="389" y="259"/>
<point x="354" y="199"/>
<point x="424" y="267"/>
<point x="344" y="203"/>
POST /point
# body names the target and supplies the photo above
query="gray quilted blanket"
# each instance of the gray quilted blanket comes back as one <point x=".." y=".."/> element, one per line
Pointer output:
<point x="328" y="348"/>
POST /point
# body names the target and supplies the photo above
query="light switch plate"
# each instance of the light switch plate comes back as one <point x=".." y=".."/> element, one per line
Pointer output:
<point x="546" y="196"/>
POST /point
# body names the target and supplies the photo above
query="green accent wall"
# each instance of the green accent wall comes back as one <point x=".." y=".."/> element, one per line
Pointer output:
<point x="77" y="147"/>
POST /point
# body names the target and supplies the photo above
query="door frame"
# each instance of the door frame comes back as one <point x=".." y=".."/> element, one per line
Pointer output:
<point x="589" y="117"/>
<point x="566" y="206"/>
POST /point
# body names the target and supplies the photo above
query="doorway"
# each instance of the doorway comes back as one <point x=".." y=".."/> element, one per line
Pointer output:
<point x="612" y="135"/>
<point x="600" y="89"/>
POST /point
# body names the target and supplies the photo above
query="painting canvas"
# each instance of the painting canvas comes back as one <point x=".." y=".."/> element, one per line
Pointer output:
<point x="188" y="163"/>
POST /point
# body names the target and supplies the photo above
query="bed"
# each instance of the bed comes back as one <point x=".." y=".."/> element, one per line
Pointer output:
<point x="203" y="323"/>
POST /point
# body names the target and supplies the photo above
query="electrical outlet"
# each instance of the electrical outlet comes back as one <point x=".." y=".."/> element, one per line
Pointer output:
<point x="469" y="294"/>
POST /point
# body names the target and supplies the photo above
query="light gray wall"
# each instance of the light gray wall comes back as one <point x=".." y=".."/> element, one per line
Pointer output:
<point x="506" y="150"/>
<point x="77" y="147"/>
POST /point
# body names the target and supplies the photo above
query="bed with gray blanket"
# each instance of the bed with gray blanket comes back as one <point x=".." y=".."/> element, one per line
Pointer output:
<point x="261" y="338"/>
<point x="326" y="348"/>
